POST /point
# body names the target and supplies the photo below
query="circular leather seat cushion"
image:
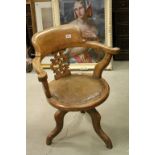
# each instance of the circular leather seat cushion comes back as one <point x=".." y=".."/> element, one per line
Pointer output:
<point x="78" y="91"/>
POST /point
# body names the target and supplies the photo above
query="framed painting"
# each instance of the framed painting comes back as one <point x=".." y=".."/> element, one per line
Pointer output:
<point x="43" y="13"/>
<point x="94" y="18"/>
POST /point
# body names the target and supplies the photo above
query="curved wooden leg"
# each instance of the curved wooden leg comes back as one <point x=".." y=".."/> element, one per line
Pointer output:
<point x="59" y="117"/>
<point x="95" y="116"/>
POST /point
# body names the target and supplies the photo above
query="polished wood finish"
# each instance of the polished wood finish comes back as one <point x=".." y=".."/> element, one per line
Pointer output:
<point x="78" y="92"/>
<point x="97" y="127"/>
<point x="71" y="92"/>
<point x="59" y="117"/>
<point x="60" y="65"/>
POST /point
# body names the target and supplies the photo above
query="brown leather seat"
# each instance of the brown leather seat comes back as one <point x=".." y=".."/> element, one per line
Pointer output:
<point x="71" y="92"/>
<point x="78" y="92"/>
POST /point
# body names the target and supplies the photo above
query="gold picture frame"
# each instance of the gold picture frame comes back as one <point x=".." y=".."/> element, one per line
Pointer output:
<point x="108" y="30"/>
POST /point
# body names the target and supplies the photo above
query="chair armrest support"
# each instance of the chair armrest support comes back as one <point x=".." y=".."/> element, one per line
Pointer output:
<point x="42" y="75"/>
<point x="100" y="66"/>
<point x="107" y="57"/>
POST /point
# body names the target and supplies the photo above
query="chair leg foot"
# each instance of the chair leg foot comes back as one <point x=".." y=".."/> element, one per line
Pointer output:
<point x="59" y="118"/>
<point x="95" y="116"/>
<point x="82" y="112"/>
<point x="48" y="141"/>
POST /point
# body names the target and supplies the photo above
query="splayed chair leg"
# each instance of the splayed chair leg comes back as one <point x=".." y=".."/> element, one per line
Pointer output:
<point x="95" y="116"/>
<point x="59" y="118"/>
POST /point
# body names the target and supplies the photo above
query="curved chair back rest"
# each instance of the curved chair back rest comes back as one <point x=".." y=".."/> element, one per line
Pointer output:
<point x="56" y="39"/>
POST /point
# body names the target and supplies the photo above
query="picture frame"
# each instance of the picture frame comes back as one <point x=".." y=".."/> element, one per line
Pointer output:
<point x="43" y="13"/>
<point x="106" y="5"/>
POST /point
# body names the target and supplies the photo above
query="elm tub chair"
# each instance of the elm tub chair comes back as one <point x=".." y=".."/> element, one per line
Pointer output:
<point x="71" y="92"/>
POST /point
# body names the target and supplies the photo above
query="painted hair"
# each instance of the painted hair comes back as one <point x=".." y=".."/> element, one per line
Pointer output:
<point x="87" y="6"/>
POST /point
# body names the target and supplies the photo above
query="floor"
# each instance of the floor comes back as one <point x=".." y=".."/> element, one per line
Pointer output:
<point x="78" y="136"/>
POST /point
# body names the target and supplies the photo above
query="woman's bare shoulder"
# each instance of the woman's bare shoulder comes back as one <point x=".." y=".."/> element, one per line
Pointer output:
<point x="73" y="22"/>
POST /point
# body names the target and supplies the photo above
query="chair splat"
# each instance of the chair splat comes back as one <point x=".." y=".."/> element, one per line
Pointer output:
<point x="60" y="65"/>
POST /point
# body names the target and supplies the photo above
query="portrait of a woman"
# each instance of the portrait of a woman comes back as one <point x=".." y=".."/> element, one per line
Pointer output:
<point x="82" y="15"/>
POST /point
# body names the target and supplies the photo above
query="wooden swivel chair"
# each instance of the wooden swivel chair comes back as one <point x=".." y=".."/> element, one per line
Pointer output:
<point x="71" y="92"/>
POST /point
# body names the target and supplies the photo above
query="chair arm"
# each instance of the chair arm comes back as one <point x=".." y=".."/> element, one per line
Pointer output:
<point x="42" y="75"/>
<point x="106" y="59"/>
<point x="106" y="49"/>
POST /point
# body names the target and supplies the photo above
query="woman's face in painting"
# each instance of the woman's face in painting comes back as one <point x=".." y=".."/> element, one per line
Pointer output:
<point x="79" y="10"/>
